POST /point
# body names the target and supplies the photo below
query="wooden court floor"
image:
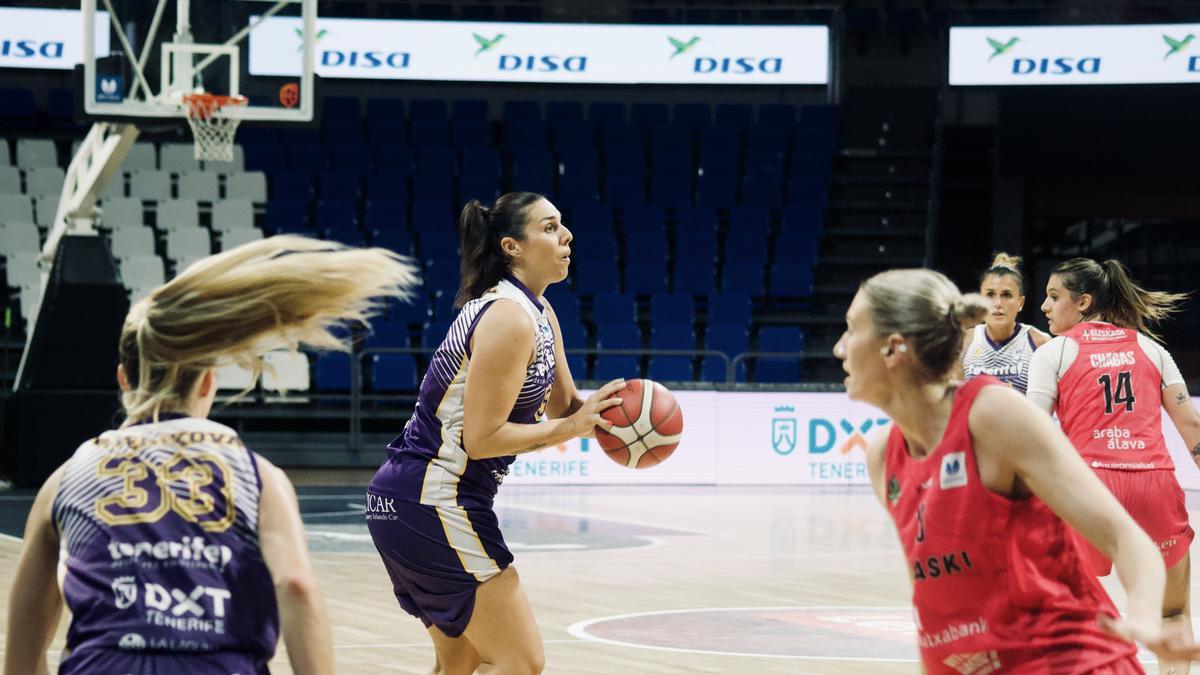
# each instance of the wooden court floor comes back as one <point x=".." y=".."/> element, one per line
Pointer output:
<point x="646" y="580"/>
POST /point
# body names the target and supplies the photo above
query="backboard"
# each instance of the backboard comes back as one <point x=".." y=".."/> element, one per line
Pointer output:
<point x="160" y="51"/>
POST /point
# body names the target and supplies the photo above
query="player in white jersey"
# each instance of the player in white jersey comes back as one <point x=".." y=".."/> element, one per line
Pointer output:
<point x="178" y="549"/>
<point x="1001" y="346"/>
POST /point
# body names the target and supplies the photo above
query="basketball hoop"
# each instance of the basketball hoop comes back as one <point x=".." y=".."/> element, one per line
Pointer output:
<point x="211" y="127"/>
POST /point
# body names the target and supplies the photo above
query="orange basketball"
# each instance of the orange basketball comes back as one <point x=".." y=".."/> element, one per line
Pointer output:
<point x="646" y="426"/>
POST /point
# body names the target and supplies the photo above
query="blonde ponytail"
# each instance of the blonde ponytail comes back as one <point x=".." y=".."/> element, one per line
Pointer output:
<point x="286" y="291"/>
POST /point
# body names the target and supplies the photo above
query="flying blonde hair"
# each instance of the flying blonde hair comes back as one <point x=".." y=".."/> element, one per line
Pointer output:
<point x="284" y="291"/>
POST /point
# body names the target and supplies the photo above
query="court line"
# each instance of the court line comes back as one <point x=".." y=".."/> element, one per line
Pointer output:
<point x="593" y="516"/>
<point x="9" y="537"/>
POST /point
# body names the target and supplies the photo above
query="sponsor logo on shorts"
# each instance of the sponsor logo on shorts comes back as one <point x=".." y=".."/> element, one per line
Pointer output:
<point x="974" y="663"/>
<point x="380" y="508"/>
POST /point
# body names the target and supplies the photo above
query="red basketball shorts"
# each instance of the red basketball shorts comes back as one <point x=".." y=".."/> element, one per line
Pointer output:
<point x="1157" y="504"/>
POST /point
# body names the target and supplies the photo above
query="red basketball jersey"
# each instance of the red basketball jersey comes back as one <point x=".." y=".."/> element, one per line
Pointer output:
<point x="1110" y="400"/>
<point x="998" y="584"/>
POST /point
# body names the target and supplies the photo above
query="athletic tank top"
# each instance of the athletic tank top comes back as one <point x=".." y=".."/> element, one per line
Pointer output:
<point x="158" y="526"/>
<point x="427" y="462"/>
<point x="1006" y="361"/>
<point x="998" y="584"/>
<point x="1110" y="400"/>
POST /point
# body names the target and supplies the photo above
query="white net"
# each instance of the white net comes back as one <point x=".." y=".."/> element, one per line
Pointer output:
<point x="212" y="129"/>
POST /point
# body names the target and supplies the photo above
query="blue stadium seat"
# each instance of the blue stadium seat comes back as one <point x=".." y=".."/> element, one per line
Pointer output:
<point x="606" y="112"/>
<point x="389" y="186"/>
<point x="438" y="245"/>
<point x="340" y="185"/>
<point x="60" y="109"/>
<point x="344" y="233"/>
<point x="433" y="217"/>
<point x="669" y="368"/>
<point x="798" y="246"/>
<point x="717" y="191"/>
<point x="766" y="139"/>
<point x="396" y="240"/>
<point x="292" y="184"/>
<point x="294" y="136"/>
<point x="745" y="249"/>
<point x="391" y="333"/>
<point x="765" y="191"/>
<point x="735" y="115"/>
<point x="435" y="187"/>
<point x="670" y="139"/>
<point x="618" y="336"/>
<point x="647" y="245"/>
<point x="596" y="246"/>
<point x="356" y="158"/>
<point x="574" y="136"/>
<point x="624" y="191"/>
<point x="671" y="309"/>
<point x="434" y="332"/>
<point x="387" y="132"/>
<point x="697" y="218"/>
<point x="481" y="162"/>
<point x="776" y="115"/>
<point x="614" y="308"/>
<point x="471" y="109"/>
<point x="780" y="339"/>
<point x="394" y="159"/>
<point x="613" y="366"/>
<point x="644" y="219"/>
<point x="429" y="134"/>
<point x="484" y="188"/>
<point x="776" y="371"/>
<point x="692" y="115"/>
<point x="469" y="134"/>
<point x="349" y="132"/>
<point x="621" y="138"/>
<point x="693" y="278"/>
<point x="564" y="301"/>
<point x="335" y="214"/>
<point x="595" y="276"/>
<point x="333" y="372"/>
<point x="574" y="335"/>
<point x="258" y="136"/>
<point x="648" y="114"/>
<point x="309" y="157"/>
<point x="715" y="163"/>
<point x="804" y="165"/>
<point x="626" y="163"/>
<point x="646" y="277"/>
<point x="791" y="279"/>
<point x="730" y="339"/>
<point x="577" y="363"/>
<point x="576" y="186"/>
<point x="672" y="164"/>
<point x="287" y="215"/>
<point x="672" y="336"/>
<point x="264" y="157"/>
<point x="559" y="112"/>
<point x="442" y="274"/>
<point x="526" y="137"/>
<point x="720" y="140"/>
<point x="672" y="192"/>
<point x="443" y="298"/>
<point x="820" y="116"/>
<point x="742" y="277"/>
<point x="816" y="141"/>
<point x="339" y="108"/>
<point x="427" y="110"/>
<point x="521" y="112"/>
<point x="713" y="369"/>
<point x="801" y="217"/>
<point x="731" y="309"/>
<point x="765" y="164"/>
<point x="750" y="218"/>
<point x="532" y="172"/>
<point x="807" y="191"/>
<point x="437" y="160"/>
<point x="393" y="372"/>
<point x="385" y="109"/>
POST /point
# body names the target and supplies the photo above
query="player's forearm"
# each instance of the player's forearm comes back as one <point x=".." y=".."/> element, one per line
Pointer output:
<point x="512" y="438"/>
<point x="305" y="624"/>
<point x="32" y="618"/>
<point x="1140" y="568"/>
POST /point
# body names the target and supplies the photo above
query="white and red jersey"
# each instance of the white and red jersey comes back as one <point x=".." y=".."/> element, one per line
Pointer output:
<point x="998" y="583"/>
<point x="1108" y="386"/>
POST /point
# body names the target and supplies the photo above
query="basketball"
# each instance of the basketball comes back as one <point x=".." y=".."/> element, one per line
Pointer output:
<point x="646" y="426"/>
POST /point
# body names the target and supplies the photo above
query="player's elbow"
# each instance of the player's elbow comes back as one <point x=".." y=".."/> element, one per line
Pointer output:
<point x="297" y="588"/>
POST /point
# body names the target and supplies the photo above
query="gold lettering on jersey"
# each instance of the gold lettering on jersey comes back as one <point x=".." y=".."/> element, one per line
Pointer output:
<point x="188" y="483"/>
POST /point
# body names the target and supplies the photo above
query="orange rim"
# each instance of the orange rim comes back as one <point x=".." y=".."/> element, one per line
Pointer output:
<point x="204" y="104"/>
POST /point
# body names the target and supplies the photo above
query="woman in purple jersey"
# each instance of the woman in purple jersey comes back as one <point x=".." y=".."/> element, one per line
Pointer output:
<point x="178" y="549"/>
<point x="500" y="368"/>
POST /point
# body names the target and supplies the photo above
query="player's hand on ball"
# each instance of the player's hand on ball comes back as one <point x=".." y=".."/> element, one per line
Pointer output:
<point x="587" y="418"/>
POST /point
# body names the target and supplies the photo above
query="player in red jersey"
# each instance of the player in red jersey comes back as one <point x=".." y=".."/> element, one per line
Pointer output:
<point x="998" y="582"/>
<point x="1109" y="381"/>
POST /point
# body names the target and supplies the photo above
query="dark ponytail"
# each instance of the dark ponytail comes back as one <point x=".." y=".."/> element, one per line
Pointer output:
<point x="1115" y="297"/>
<point x="480" y="230"/>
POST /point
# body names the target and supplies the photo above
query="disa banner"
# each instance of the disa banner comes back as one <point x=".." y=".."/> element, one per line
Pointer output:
<point x="46" y="38"/>
<point x="542" y="52"/>
<point x="1023" y="55"/>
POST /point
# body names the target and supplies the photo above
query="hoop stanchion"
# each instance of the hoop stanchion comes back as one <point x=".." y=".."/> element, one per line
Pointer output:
<point x="212" y="128"/>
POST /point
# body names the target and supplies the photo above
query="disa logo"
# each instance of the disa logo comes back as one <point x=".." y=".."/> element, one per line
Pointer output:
<point x="337" y="58"/>
<point x="728" y="65"/>
<point x="1055" y="65"/>
<point x="1175" y="46"/>
<point x="539" y="63"/>
<point x="26" y="49"/>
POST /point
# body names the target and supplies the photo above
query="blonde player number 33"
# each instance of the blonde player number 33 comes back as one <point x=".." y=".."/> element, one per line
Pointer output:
<point x="195" y="487"/>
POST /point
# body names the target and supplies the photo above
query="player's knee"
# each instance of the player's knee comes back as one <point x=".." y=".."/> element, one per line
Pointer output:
<point x="530" y="661"/>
